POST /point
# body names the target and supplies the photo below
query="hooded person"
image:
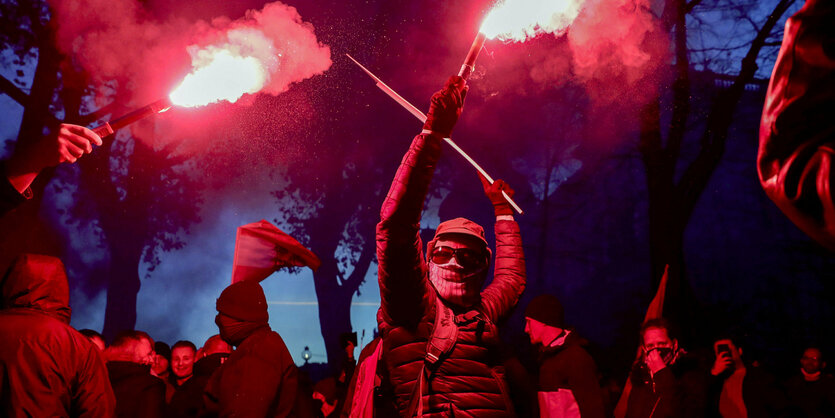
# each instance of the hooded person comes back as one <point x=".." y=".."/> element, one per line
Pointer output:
<point x="440" y="342"/>
<point x="47" y="368"/>
<point x="567" y="382"/>
<point x="259" y="378"/>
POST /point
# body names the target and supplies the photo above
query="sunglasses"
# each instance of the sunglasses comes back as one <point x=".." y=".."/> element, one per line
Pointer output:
<point x="467" y="257"/>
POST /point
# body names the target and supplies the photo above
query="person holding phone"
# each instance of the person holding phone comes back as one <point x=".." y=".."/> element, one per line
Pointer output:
<point x="740" y="390"/>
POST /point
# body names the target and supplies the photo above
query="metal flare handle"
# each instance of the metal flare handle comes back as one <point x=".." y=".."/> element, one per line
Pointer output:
<point x="108" y="128"/>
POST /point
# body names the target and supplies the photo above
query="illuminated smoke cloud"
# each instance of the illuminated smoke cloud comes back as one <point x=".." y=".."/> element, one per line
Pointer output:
<point x="118" y="40"/>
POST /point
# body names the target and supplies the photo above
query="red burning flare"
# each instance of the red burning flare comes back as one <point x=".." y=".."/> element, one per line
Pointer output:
<point x="228" y="71"/>
<point x="520" y="20"/>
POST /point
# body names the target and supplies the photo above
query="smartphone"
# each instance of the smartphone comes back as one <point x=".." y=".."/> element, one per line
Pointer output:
<point x="723" y="348"/>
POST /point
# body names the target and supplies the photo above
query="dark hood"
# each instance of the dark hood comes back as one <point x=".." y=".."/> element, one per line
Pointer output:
<point x="37" y="282"/>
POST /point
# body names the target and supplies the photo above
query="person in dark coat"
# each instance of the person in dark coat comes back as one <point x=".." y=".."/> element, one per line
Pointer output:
<point x="188" y="400"/>
<point x="740" y="390"/>
<point x="138" y="392"/>
<point x="47" y="368"/>
<point x="666" y="381"/>
<point x="259" y="379"/>
<point x="67" y="143"/>
<point x="568" y="385"/>
<point x="812" y="391"/>
<point x="797" y="130"/>
<point x="444" y="290"/>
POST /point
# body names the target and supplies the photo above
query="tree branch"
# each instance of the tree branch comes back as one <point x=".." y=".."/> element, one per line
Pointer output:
<point x="357" y="277"/>
<point x="9" y="88"/>
<point x="692" y="5"/>
<point x="697" y="175"/>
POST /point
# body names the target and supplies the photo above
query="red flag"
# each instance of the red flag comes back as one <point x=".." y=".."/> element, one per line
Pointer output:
<point x="656" y="307"/>
<point x="654" y="311"/>
<point x="261" y="249"/>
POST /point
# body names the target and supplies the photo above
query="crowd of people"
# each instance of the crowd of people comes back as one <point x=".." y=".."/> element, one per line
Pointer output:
<point x="438" y="351"/>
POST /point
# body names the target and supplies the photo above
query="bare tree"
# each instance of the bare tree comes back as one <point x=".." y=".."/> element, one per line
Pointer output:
<point x="674" y="191"/>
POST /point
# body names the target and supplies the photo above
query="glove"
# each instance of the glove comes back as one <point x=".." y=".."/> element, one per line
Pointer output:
<point x="445" y="106"/>
<point x="494" y="192"/>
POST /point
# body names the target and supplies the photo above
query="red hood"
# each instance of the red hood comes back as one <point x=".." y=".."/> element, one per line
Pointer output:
<point x="37" y="282"/>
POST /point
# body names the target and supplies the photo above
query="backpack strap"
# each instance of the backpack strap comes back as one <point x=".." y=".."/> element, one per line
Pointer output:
<point x="441" y="343"/>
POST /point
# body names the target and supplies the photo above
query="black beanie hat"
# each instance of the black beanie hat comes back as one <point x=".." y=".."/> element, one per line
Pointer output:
<point x="244" y="301"/>
<point x="546" y="309"/>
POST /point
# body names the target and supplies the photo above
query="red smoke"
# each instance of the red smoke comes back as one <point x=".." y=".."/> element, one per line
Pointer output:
<point x="119" y="40"/>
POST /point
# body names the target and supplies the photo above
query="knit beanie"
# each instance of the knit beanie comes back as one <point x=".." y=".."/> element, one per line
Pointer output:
<point x="546" y="309"/>
<point x="244" y="301"/>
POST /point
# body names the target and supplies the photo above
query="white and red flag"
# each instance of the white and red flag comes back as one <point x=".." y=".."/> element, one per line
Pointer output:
<point x="261" y="249"/>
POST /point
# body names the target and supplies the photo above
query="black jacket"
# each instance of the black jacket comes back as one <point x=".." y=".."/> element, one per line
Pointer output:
<point x="762" y="397"/>
<point x="259" y="379"/>
<point x="138" y="393"/>
<point x="675" y="391"/>
<point x="188" y="398"/>
<point x="10" y="198"/>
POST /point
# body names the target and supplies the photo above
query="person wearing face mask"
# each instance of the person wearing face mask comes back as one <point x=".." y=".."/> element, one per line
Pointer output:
<point x="440" y="342"/>
<point x="568" y="385"/>
<point x="259" y="379"/>
<point x="666" y="381"/>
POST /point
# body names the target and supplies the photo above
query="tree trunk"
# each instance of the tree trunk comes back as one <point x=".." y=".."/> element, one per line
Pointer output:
<point x="23" y="230"/>
<point x="122" y="286"/>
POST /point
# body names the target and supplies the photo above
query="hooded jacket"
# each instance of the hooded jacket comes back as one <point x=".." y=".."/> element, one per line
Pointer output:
<point x="46" y="367"/>
<point x="468" y="383"/>
<point x="797" y="132"/>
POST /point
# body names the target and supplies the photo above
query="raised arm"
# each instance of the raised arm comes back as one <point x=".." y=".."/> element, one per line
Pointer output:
<point x="509" y="277"/>
<point x="401" y="267"/>
<point x="797" y="130"/>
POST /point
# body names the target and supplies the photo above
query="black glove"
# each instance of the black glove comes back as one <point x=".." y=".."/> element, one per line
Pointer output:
<point x="494" y="192"/>
<point x="445" y="106"/>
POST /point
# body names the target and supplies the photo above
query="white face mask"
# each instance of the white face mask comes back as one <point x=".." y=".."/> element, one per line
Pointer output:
<point x="456" y="286"/>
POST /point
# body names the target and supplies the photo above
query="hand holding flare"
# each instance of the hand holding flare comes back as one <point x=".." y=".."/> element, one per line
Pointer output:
<point x="422" y="117"/>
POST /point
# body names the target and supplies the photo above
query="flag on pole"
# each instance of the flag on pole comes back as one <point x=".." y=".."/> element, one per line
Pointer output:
<point x="261" y="249"/>
<point x="654" y="311"/>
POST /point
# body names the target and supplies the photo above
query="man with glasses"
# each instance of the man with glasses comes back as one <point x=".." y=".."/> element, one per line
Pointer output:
<point x="438" y="327"/>
<point x="812" y="391"/>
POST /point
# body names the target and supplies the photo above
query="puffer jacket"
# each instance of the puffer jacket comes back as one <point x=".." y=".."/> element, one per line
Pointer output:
<point x="469" y="382"/>
<point x="47" y="369"/>
<point x="797" y="130"/>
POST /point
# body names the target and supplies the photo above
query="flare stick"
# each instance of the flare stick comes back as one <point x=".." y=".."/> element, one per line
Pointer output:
<point x="108" y="128"/>
<point x="422" y="117"/>
<point x="469" y="62"/>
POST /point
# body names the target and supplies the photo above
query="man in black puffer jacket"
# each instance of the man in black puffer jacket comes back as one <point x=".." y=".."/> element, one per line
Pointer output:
<point x="444" y="291"/>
